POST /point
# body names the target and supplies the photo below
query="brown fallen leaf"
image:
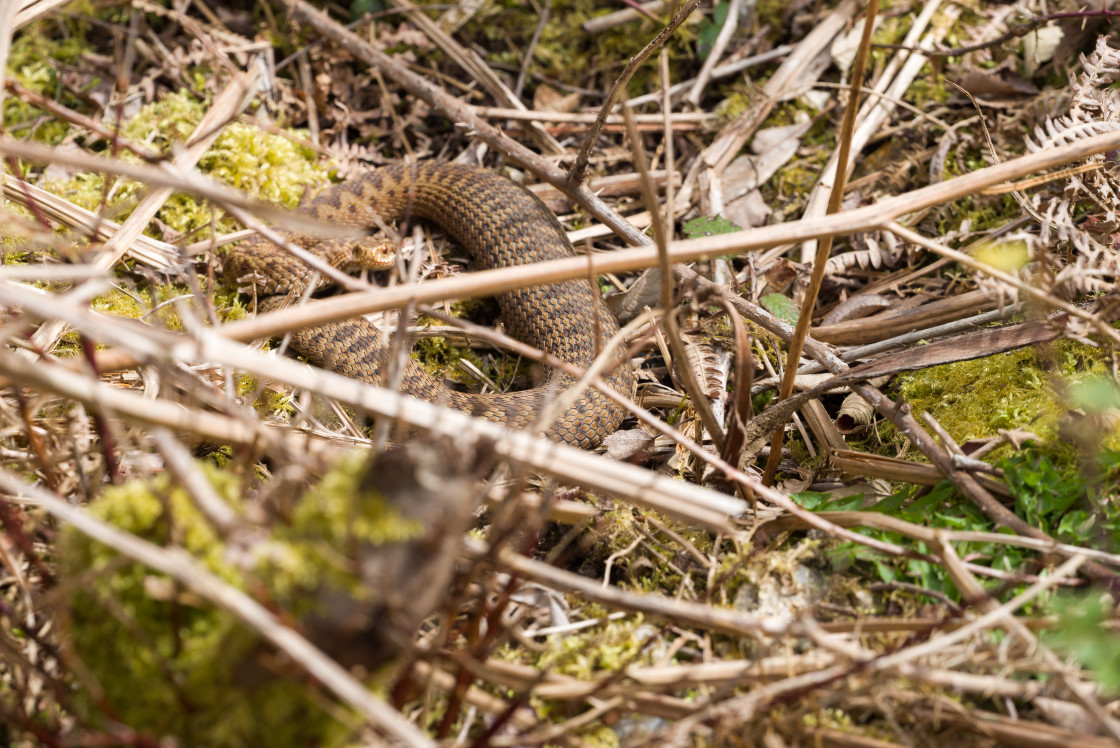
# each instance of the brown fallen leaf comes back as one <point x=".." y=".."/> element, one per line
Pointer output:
<point x="628" y="445"/>
<point x="996" y="84"/>
<point x="548" y="99"/>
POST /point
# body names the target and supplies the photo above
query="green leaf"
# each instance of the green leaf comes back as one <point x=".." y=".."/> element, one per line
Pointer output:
<point x="1084" y="633"/>
<point x="359" y="8"/>
<point x="709" y="30"/>
<point x="1095" y="395"/>
<point x="853" y="503"/>
<point x="886" y="573"/>
<point x="709" y="226"/>
<point x="781" y="307"/>
<point x="891" y="504"/>
<point x="924" y="508"/>
<point x="809" y="499"/>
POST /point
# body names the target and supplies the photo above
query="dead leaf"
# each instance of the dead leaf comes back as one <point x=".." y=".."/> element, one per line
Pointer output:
<point x="773" y="148"/>
<point x="644" y="291"/>
<point x="748" y="211"/>
<point x="628" y="445"/>
<point x="1039" y="46"/>
<point x="996" y="84"/>
<point x="548" y="99"/>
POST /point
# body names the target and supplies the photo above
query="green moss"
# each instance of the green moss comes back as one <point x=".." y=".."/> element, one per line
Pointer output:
<point x="229" y="304"/>
<point x="120" y="304"/>
<point x="566" y="52"/>
<point x="155" y="656"/>
<point x="772" y="13"/>
<point x="891" y="30"/>
<point x="604" y="649"/>
<point x="440" y="358"/>
<point x="787" y="113"/>
<point x="589" y="654"/>
<point x="927" y="89"/>
<point x="821" y="134"/>
<point x="733" y="105"/>
<point x="273" y="401"/>
<point x="14" y="249"/>
<point x="139" y="303"/>
<point x="165" y="123"/>
<point x="832" y="718"/>
<point x="34" y="62"/>
<point x="974" y="399"/>
<point x="658" y="563"/>
<point x="795" y="179"/>
<point x="86" y="190"/>
<point x="262" y="164"/>
<point x="172" y="665"/>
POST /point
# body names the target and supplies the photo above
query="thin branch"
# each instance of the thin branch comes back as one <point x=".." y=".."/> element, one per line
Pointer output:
<point x="579" y="168"/>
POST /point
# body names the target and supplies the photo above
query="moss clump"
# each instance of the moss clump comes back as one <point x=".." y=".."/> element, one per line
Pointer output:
<point x="605" y="649"/>
<point x="656" y="565"/>
<point x="120" y="304"/>
<point x="35" y="61"/>
<point x="168" y="663"/>
<point x="734" y="104"/>
<point x="264" y="165"/>
<point x="567" y="53"/>
<point x="440" y="358"/>
<point x="139" y="303"/>
<point x="164" y="661"/>
<point x="278" y="404"/>
<point x="773" y="13"/>
<point x="332" y="518"/>
<point x="229" y="304"/>
<point x="13" y="248"/>
<point x="975" y="399"/>
<point x="796" y="178"/>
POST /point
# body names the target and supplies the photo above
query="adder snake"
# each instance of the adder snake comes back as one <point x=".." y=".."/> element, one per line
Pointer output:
<point x="501" y="224"/>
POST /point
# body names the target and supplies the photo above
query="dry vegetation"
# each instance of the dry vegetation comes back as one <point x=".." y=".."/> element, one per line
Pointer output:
<point x="206" y="542"/>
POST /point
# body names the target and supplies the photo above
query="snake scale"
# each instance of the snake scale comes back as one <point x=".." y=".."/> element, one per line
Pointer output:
<point x="500" y="223"/>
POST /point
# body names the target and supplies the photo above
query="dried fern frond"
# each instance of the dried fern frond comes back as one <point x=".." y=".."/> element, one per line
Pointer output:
<point x="1089" y="264"/>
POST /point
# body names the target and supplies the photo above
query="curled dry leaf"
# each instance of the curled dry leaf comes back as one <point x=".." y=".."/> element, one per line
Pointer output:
<point x="628" y="444"/>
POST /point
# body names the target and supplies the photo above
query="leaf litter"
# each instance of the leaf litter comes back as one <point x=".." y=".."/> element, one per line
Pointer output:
<point x="936" y="563"/>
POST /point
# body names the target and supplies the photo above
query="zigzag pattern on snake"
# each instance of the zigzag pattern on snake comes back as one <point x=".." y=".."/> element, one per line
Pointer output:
<point x="501" y="224"/>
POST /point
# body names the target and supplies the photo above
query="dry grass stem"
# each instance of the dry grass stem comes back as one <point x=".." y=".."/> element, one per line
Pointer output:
<point x="820" y="263"/>
<point x="489" y="282"/>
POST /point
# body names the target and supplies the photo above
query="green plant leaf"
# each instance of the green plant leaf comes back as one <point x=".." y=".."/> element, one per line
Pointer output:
<point x="1095" y="395"/>
<point x="781" y="307"/>
<point x="1083" y="633"/>
<point x="810" y="499"/>
<point x="359" y="8"/>
<point x="709" y="226"/>
<point x="710" y="29"/>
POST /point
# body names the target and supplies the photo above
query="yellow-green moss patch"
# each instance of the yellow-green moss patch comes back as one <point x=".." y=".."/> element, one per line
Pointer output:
<point x="975" y="399"/>
<point x="171" y="664"/>
<point x="264" y="165"/>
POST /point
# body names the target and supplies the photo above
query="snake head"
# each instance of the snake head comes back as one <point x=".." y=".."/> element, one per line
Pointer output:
<point x="374" y="254"/>
<point x="367" y="253"/>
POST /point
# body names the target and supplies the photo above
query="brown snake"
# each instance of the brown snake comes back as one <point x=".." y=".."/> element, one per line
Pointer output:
<point x="501" y="224"/>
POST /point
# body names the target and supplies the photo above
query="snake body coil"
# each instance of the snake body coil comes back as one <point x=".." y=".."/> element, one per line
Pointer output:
<point x="501" y="224"/>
